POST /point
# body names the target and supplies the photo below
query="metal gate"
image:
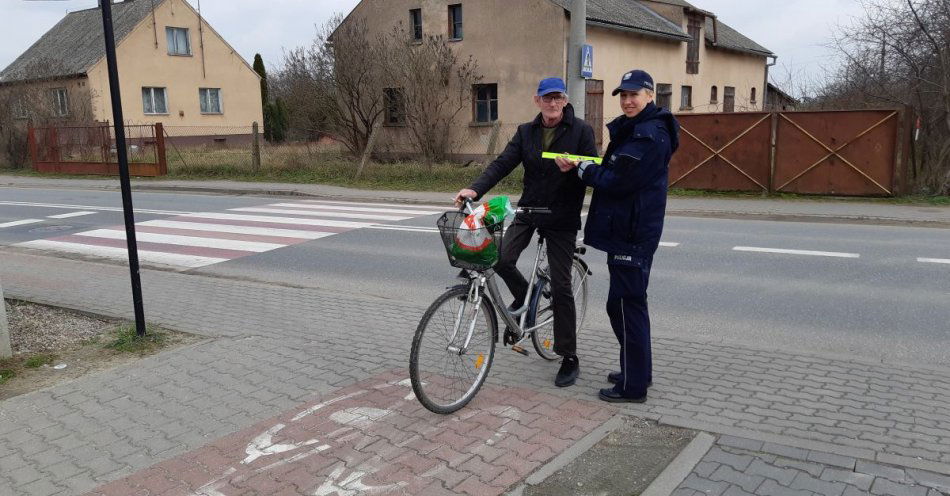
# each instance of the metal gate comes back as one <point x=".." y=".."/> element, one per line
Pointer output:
<point x="91" y="149"/>
<point x="830" y="152"/>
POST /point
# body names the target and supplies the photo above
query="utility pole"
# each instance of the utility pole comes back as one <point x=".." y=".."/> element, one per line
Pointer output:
<point x="6" y="349"/>
<point x="576" y="84"/>
<point x="122" y="155"/>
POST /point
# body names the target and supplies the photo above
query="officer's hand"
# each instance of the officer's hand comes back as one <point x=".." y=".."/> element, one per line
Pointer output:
<point x="565" y="164"/>
<point x="463" y="194"/>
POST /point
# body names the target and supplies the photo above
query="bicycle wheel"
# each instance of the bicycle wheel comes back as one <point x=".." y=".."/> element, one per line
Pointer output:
<point x="542" y="312"/>
<point x="443" y="378"/>
<point x="579" y="277"/>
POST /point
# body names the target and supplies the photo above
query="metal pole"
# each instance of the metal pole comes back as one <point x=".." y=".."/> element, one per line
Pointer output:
<point x="6" y="349"/>
<point x="577" y="85"/>
<point x="122" y="155"/>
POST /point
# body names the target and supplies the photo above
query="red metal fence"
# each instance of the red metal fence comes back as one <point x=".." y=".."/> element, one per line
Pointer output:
<point x="92" y="149"/>
<point x="857" y="153"/>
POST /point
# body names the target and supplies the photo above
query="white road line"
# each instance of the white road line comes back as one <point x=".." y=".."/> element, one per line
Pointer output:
<point x="281" y="220"/>
<point x="71" y="214"/>
<point x="385" y="227"/>
<point x="172" y="239"/>
<point x="669" y="244"/>
<point x="314" y="213"/>
<point x="797" y="252"/>
<point x="408" y="210"/>
<point x="261" y="231"/>
<point x="934" y="260"/>
<point x="20" y="222"/>
<point x="90" y="207"/>
<point x="441" y="208"/>
<point x="155" y="257"/>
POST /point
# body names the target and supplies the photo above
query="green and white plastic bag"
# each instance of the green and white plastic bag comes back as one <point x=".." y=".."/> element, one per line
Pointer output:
<point x="473" y="240"/>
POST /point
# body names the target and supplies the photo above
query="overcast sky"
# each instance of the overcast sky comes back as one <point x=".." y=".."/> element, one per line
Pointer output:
<point x="796" y="30"/>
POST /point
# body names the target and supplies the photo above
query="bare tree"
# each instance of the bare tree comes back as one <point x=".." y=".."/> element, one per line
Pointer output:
<point x="898" y="54"/>
<point x="435" y="84"/>
<point x="335" y="86"/>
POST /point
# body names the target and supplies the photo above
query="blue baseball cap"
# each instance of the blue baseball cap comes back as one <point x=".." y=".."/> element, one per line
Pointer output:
<point x="551" y="85"/>
<point x="633" y="81"/>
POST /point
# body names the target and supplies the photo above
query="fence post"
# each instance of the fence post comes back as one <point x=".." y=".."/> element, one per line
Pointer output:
<point x="160" y="149"/>
<point x="773" y="141"/>
<point x="256" y="147"/>
<point x="368" y="150"/>
<point x="493" y="138"/>
<point x="6" y="349"/>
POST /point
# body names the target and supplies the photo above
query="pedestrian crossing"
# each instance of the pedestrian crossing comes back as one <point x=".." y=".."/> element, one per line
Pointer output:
<point x="199" y="239"/>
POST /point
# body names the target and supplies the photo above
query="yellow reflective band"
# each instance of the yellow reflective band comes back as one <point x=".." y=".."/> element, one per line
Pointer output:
<point x="577" y="158"/>
<point x="479" y="361"/>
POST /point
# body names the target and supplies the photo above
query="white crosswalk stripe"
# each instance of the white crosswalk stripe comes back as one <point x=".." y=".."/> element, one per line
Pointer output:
<point x="196" y="239"/>
<point x="20" y="222"/>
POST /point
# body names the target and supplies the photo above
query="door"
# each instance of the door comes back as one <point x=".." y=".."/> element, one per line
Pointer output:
<point x="594" y="109"/>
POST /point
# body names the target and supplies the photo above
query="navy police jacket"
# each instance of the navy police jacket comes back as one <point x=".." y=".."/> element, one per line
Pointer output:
<point x="544" y="184"/>
<point x="629" y="201"/>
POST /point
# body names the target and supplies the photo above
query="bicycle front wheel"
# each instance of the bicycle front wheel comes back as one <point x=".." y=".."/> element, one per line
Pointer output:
<point x="446" y="373"/>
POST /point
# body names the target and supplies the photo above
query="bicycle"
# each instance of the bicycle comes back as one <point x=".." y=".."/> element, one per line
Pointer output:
<point x="462" y="323"/>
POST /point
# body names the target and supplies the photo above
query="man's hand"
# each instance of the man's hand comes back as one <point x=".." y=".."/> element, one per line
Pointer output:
<point x="565" y="164"/>
<point x="465" y="193"/>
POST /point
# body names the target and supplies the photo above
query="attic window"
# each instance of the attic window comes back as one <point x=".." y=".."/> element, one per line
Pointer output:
<point x="178" y="43"/>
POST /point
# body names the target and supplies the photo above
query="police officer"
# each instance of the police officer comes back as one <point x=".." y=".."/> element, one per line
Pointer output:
<point x="555" y="129"/>
<point x="626" y="219"/>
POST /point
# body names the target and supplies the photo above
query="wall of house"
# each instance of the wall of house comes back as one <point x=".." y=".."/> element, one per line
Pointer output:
<point x="144" y="63"/>
<point x="514" y="48"/>
<point x="37" y="99"/>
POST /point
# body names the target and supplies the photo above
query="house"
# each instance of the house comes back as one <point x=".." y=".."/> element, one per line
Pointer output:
<point x="779" y="100"/>
<point x="173" y="68"/>
<point x="698" y="63"/>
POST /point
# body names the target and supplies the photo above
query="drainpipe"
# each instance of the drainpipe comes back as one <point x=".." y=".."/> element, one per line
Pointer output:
<point x="765" y="88"/>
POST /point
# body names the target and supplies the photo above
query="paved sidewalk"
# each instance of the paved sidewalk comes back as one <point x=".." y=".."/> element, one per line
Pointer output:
<point x="849" y="210"/>
<point x="274" y="352"/>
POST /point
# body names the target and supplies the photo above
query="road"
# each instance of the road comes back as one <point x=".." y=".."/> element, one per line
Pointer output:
<point x="879" y="292"/>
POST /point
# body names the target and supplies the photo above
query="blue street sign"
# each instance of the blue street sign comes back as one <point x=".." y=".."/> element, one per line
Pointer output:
<point x="587" y="61"/>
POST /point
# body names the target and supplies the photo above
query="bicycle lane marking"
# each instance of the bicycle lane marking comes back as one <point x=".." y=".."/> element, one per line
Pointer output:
<point x="374" y="437"/>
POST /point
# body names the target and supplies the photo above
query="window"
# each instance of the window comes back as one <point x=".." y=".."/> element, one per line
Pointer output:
<point x="692" y="46"/>
<point x="19" y="109"/>
<point x="60" y="102"/>
<point x="178" y="43"/>
<point x="210" y="99"/>
<point x="485" y="102"/>
<point x="154" y="101"/>
<point x="664" y="95"/>
<point x="455" y="22"/>
<point x="714" y="95"/>
<point x="686" y="97"/>
<point x="395" y="106"/>
<point x="415" y="20"/>
<point x="753" y="97"/>
<point x="728" y="99"/>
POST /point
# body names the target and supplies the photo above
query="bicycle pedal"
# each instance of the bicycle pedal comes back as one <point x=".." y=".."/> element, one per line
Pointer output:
<point x="519" y="349"/>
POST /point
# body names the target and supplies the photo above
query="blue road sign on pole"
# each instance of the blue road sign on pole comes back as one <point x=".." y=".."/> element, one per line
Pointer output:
<point x="587" y="61"/>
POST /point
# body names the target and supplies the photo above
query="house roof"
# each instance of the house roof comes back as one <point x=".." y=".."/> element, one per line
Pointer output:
<point x="635" y="16"/>
<point x="75" y="43"/>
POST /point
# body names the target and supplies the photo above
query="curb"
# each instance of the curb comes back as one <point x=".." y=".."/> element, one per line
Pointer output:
<point x="676" y="472"/>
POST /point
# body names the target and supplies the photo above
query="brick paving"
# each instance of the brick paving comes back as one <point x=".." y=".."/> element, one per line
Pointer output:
<point x="271" y="349"/>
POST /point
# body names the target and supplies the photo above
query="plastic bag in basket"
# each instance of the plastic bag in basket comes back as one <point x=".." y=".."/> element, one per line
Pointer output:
<point x="473" y="241"/>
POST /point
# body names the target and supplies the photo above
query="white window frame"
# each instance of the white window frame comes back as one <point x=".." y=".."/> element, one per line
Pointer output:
<point x="60" y="102"/>
<point x="204" y="93"/>
<point x="152" y="99"/>
<point x="172" y="41"/>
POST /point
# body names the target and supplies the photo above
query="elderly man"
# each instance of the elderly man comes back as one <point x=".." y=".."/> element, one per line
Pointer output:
<point x="626" y="220"/>
<point x="555" y="129"/>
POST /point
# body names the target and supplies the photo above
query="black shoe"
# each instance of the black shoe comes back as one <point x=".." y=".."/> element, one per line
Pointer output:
<point x="612" y="396"/>
<point x="615" y="377"/>
<point x="570" y="369"/>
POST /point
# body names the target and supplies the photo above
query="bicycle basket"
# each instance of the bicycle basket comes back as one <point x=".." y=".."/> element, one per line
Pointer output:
<point x="472" y="249"/>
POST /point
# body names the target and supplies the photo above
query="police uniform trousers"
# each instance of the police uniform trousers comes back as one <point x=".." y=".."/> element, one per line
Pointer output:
<point x="630" y="319"/>
<point x="560" y="250"/>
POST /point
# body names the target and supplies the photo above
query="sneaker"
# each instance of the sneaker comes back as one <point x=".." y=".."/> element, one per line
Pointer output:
<point x="610" y="395"/>
<point x="570" y="369"/>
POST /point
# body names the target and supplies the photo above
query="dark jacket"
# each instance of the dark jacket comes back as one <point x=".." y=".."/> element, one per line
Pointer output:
<point x="629" y="201"/>
<point x="544" y="184"/>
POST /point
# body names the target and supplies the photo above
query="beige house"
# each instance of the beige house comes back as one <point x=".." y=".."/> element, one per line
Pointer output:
<point x="173" y="68"/>
<point x="699" y="63"/>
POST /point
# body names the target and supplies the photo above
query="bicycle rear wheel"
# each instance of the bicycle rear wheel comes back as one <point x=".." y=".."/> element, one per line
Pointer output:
<point x="445" y="374"/>
<point x="543" y="336"/>
<point x="579" y="277"/>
